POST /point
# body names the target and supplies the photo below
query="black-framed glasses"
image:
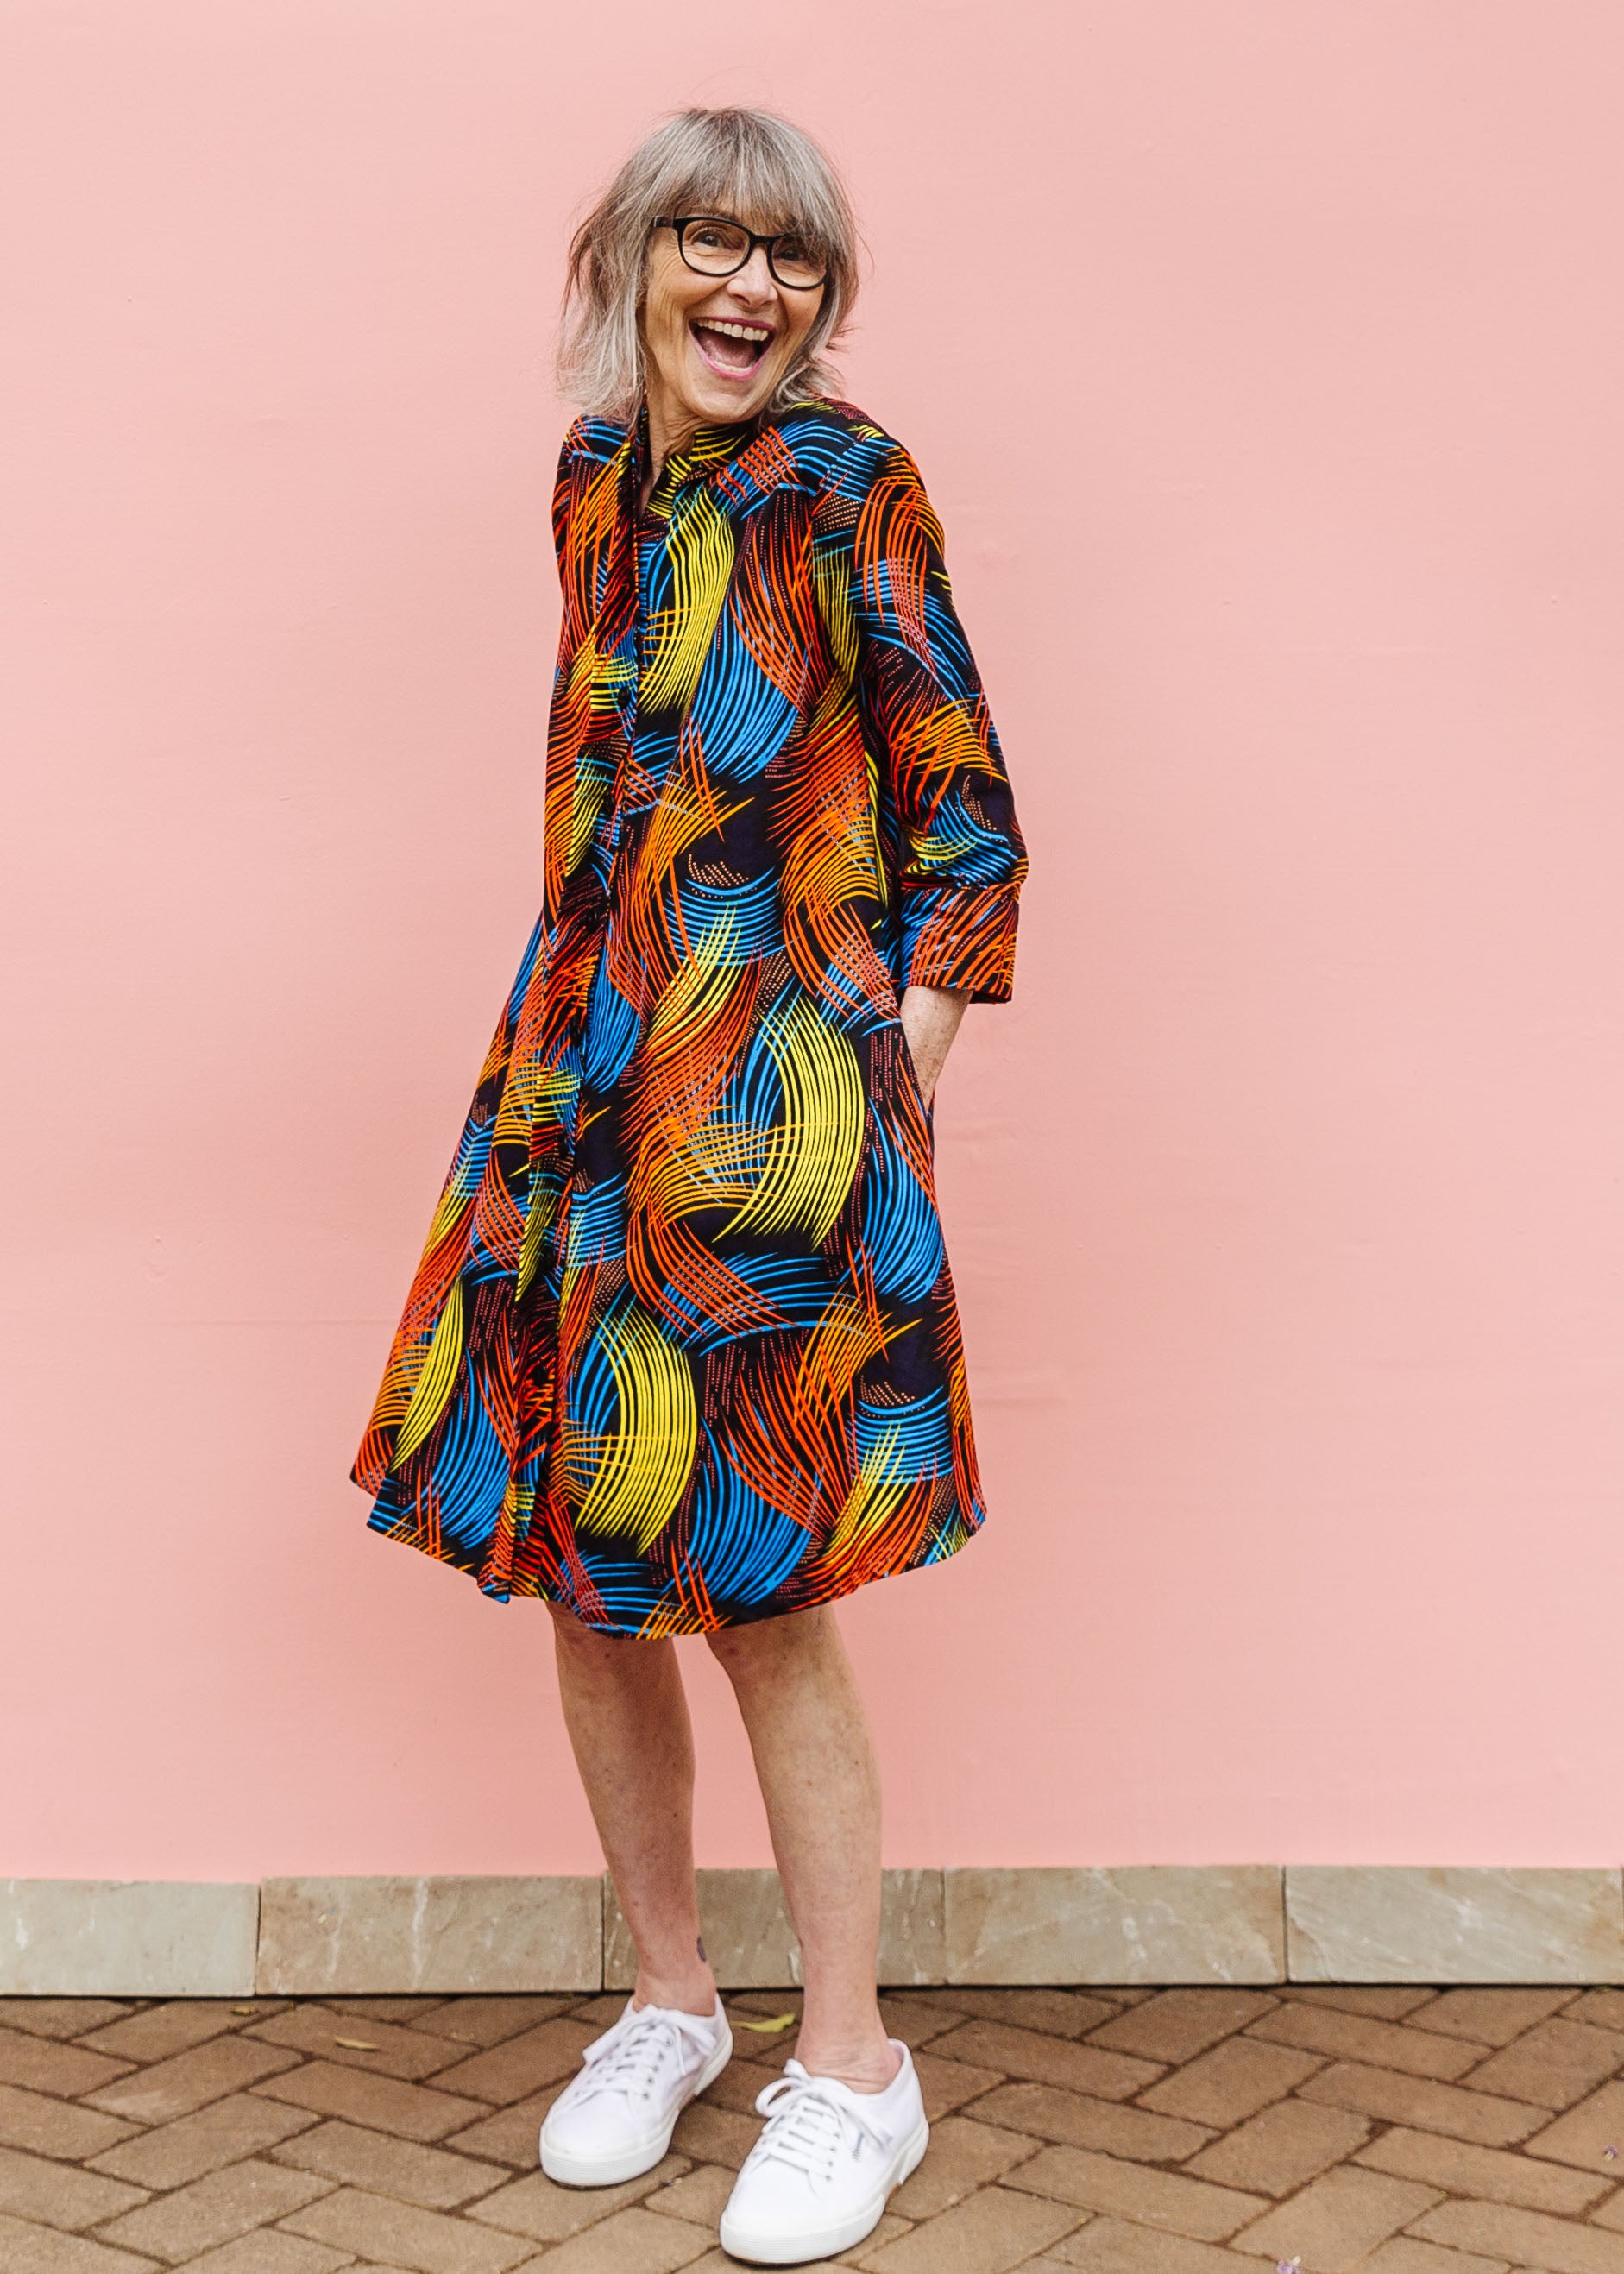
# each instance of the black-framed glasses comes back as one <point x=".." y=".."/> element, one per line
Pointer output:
<point x="714" y="245"/>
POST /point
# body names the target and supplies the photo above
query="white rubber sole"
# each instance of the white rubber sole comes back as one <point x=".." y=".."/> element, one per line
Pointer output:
<point x="637" y="2156"/>
<point x="823" y="2242"/>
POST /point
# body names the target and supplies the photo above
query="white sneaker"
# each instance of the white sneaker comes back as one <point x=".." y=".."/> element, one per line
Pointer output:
<point x="615" y="2119"/>
<point x="818" y="2179"/>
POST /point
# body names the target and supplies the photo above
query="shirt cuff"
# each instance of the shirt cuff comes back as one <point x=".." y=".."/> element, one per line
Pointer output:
<point x="961" y="937"/>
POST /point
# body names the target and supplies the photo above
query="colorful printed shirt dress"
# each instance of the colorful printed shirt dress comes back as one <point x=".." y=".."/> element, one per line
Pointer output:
<point x="683" y="1349"/>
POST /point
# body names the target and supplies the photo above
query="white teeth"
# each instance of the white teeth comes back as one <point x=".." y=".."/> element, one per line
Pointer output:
<point x="733" y="331"/>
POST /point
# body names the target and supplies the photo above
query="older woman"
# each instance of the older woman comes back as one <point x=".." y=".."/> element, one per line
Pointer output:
<point x="682" y="1355"/>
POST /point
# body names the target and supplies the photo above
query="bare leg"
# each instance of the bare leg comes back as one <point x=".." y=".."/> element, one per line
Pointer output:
<point x="814" y="1759"/>
<point x="627" y="1719"/>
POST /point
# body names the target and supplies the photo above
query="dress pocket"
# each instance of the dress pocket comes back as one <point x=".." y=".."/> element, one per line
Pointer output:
<point x="910" y="1074"/>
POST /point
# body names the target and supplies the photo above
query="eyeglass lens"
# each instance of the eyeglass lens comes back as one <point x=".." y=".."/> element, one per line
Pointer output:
<point x="717" y="248"/>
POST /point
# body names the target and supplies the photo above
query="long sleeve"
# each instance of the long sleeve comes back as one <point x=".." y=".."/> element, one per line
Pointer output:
<point x="959" y="858"/>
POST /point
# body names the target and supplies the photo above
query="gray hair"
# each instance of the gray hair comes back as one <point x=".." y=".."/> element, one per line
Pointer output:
<point x="751" y="163"/>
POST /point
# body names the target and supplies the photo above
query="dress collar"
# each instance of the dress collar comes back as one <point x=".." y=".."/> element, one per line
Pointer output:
<point x="705" y="451"/>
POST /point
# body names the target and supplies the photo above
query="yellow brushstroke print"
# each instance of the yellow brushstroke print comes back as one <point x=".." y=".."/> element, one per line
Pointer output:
<point x="831" y="580"/>
<point x="811" y="1152"/>
<point x="616" y="676"/>
<point x="537" y="1224"/>
<point x="877" y="1491"/>
<point x="536" y="1096"/>
<point x="591" y="796"/>
<point x="696" y="995"/>
<point x="435" y="1382"/>
<point x="453" y="1205"/>
<point x="639" y="1470"/>
<point x="701" y="552"/>
<point x="707" y="1166"/>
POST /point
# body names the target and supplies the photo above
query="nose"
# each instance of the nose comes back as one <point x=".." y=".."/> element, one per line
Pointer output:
<point x="754" y="282"/>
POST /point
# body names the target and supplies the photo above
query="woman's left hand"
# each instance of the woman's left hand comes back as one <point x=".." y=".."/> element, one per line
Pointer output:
<point x="930" y="1017"/>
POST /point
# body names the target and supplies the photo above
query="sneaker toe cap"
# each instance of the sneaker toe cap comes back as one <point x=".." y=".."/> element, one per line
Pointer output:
<point x="595" y="2127"/>
<point x="770" y="2203"/>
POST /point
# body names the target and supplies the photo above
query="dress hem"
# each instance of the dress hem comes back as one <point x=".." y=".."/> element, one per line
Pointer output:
<point x="752" y="1615"/>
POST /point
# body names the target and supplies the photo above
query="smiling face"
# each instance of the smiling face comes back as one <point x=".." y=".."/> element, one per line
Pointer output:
<point x="716" y="346"/>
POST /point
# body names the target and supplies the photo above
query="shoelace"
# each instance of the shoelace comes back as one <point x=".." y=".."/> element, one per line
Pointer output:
<point x="629" y="2057"/>
<point x="807" y="2120"/>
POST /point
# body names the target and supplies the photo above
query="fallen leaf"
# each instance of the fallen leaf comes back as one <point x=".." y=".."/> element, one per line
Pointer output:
<point x="767" y="2029"/>
<point x="355" y="2044"/>
<point x="245" y="2009"/>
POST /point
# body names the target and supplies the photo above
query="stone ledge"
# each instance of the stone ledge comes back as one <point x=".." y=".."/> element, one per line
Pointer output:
<point x="1142" y="1925"/>
<point x="386" y="1937"/>
<point x="1139" y="1923"/>
<point x="127" y="1938"/>
<point x="1454" y="1922"/>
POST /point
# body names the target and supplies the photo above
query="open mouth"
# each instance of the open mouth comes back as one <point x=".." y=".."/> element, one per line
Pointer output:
<point x="732" y="349"/>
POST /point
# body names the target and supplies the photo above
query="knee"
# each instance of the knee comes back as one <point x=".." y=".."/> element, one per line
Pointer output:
<point x="758" y="1651"/>
<point x="729" y="1649"/>
<point x="585" y="1646"/>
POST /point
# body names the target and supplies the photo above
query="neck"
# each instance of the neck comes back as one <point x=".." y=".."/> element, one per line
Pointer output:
<point x="672" y="426"/>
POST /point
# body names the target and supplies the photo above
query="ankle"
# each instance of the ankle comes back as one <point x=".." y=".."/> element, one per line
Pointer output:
<point x="866" y="2065"/>
<point x="686" y="1994"/>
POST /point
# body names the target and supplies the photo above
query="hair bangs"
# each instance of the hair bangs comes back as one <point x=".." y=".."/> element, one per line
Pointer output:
<point x="746" y="177"/>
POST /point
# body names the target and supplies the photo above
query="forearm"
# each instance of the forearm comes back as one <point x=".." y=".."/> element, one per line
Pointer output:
<point x="930" y="1017"/>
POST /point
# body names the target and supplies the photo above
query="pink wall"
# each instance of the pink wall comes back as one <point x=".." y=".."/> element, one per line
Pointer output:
<point x="1265" y="360"/>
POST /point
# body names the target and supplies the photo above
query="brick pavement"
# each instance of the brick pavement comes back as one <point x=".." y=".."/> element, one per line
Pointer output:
<point x="1404" y="2131"/>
